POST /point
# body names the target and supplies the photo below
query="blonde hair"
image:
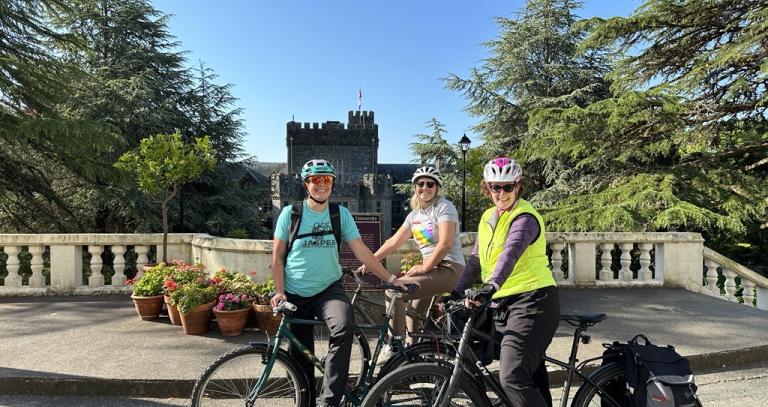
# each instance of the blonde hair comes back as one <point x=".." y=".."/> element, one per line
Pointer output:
<point x="416" y="202"/>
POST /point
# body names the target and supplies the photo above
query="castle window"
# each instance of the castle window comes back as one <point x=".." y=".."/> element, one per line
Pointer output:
<point x="378" y="206"/>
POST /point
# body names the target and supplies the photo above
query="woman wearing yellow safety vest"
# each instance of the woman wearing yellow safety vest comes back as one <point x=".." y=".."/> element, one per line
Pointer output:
<point x="510" y="258"/>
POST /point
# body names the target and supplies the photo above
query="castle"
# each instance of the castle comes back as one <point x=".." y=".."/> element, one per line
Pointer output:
<point x="362" y="184"/>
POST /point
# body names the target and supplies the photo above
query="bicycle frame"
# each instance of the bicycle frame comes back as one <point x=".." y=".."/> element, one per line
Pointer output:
<point x="465" y="354"/>
<point x="284" y="333"/>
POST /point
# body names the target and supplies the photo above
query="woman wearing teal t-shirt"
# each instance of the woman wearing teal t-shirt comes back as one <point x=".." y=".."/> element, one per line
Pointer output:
<point x="310" y="277"/>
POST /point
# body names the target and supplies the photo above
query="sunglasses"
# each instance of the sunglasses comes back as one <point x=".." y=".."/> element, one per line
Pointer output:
<point x="320" y="179"/>
<point x="506" y="187"/>
<point x="425" y="184"/>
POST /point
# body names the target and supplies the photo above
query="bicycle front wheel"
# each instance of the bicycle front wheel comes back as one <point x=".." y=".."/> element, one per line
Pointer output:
<point x="231" y="379"/>
<point x="419" y="385"/>
<point x="433" y="351"/>
<point x="611" y="379"/>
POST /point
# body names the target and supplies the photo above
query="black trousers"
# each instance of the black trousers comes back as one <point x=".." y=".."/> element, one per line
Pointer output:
<point x="332" y="306"/>
<point x="527" y="322"/>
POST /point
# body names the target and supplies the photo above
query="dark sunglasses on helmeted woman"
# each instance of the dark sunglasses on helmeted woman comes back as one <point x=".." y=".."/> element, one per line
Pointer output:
<point x="506" y="187"/>
<point x="425" y="184"/>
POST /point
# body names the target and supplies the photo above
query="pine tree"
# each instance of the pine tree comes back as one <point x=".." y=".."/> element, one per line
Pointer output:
<point x="682" y="142"/>
<point x="534" y="63"/>
<point x="433" y="149"/>
<point x="45" y="158"/>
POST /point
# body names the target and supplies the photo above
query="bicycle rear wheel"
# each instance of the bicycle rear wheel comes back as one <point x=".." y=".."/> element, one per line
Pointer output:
<point x="229" y="380"/>
<point x="418" y="385"/>
<point x="612" y="381"/>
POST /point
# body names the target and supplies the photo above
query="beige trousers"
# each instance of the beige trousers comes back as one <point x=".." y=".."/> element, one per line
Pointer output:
<point x="441" y="279"/>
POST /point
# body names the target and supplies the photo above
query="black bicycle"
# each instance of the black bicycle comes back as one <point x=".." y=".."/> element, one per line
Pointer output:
<point x="453" y="375"/>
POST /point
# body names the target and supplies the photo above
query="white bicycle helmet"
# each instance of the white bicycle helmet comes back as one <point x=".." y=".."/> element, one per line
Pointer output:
<point x="428" y="172"/>
<point x="502" y="169"/>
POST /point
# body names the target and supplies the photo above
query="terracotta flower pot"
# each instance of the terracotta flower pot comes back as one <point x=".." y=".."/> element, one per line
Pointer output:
<point x="265" y="320"/>
<point x="196" y="321"/>
<point x="231" y="323"/>
<point x="148" y="308"/>
<point x="173" y="312"/>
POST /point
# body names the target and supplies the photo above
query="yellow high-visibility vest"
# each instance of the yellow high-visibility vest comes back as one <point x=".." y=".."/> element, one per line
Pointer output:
<point x="532" y="268"/>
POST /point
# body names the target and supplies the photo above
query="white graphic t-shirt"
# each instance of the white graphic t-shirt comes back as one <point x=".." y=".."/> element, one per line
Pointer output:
<point x="424" y="227"/>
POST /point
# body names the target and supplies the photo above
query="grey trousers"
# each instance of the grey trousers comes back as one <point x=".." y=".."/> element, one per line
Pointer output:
<point x="333" y="307"/>
<point x="528" y="322"/>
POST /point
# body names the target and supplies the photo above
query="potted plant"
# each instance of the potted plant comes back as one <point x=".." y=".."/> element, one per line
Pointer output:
<point x="148" y="292"/>
<point x="231" y="312"/>
<point x="233" y="306"/>
<point x="163" y="163"/>
<point x="195" y="301"/>
<point x="265" y="319"/>
<point x="181" y="273"/>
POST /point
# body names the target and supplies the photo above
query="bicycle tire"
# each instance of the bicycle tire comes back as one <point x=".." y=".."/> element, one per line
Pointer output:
<point x="417" y="353"/>
<point x="610" y="375"/>
<point x="419" y="384"/>
<point x="233" y="374"/>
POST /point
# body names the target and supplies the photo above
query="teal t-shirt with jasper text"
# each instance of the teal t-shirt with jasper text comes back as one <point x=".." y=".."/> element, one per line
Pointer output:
<point x="313" y="262"/>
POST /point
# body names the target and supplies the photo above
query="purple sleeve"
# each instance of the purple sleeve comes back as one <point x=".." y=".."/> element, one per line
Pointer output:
<point x="471" y="272"/>
<point x="522" y="232"/>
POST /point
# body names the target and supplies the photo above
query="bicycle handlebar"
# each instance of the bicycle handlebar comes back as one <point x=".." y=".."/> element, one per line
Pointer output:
<point x="410" y="288"/>
<point x="284" y="306"/>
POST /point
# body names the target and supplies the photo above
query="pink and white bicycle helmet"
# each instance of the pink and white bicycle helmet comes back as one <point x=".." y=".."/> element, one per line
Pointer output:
<point x="502" y="169"/>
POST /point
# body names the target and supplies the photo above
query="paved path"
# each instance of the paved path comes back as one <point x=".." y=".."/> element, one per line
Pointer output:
<point x="98" y="346"/>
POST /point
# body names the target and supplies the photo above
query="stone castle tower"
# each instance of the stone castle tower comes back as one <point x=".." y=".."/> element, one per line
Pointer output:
<point x="352" y="148"/>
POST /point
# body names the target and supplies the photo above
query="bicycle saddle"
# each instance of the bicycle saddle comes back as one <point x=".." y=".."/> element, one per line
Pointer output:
<point x="578" y="319"/>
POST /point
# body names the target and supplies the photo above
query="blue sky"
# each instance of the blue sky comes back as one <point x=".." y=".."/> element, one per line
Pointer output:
<point x="306" y="59"/>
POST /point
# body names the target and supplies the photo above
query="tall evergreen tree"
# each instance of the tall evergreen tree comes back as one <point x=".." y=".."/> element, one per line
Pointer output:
<point x="682" y="142"/>
<point x="534" y="63"/>
<point x="45" y="159"/>
<point x="433" y="148"/>
<point x="225" y="200"/>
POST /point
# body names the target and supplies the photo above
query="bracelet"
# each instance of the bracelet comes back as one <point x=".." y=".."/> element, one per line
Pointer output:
<point x="392" y="278"/>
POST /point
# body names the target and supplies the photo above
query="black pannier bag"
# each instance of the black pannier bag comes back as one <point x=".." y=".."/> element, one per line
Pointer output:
<point x="658" y="376"/>
<point x="615" y="353"/>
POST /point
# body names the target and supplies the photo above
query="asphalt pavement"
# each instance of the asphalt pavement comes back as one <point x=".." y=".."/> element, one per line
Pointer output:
<point x="97" y="347"/>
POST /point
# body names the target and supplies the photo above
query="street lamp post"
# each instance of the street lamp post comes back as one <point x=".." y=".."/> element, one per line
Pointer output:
<point x="464" y="143"/>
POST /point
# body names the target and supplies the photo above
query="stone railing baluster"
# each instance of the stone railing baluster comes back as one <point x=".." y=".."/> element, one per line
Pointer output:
<point x="748" y="292"/>
<point x="96" y="279"/>
<point x="118" y="280"/>
<point x="625" y="274"/>
<point x="711" y="276"/>
<point x="13" y="279"/>
<point x="557" y="261"/>
<point x="606" y="274"/>
<point x="730" y="284"/>
<point x="36" y="264"/>
<point x="645" y="274"/>
<point x="142" y="259"/>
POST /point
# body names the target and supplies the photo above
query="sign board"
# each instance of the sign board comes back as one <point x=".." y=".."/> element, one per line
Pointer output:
<point x="369" y="225"/>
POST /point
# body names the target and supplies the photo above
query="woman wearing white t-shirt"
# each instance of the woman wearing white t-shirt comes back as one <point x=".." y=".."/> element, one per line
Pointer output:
<point x="434" y="225"/>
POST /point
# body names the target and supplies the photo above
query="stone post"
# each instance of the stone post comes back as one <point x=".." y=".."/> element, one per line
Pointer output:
<point x="66" y="268"/>
<point x="581" y="263"/>
<point x="13" y="279"/>
<point x="680" y="264"/>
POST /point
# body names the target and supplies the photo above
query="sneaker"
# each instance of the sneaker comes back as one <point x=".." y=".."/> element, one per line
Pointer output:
<point x="386" y="353"/>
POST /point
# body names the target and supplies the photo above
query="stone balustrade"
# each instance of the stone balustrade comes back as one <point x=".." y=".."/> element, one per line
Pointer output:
<point x="45" y="264"/>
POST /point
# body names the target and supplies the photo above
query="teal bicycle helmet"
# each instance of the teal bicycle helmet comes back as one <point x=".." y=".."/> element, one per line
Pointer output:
<point x="317" y="166"/>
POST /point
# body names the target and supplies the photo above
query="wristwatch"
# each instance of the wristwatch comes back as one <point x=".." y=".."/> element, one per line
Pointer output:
<point x="392" y="278"/>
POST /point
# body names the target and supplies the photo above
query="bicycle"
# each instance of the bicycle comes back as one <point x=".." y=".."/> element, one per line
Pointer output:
<point x="458" y="377"/>
<point x="265" y="370"/>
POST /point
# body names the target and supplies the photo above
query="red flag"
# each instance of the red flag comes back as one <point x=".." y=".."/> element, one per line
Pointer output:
<point x="359" y="98"/>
